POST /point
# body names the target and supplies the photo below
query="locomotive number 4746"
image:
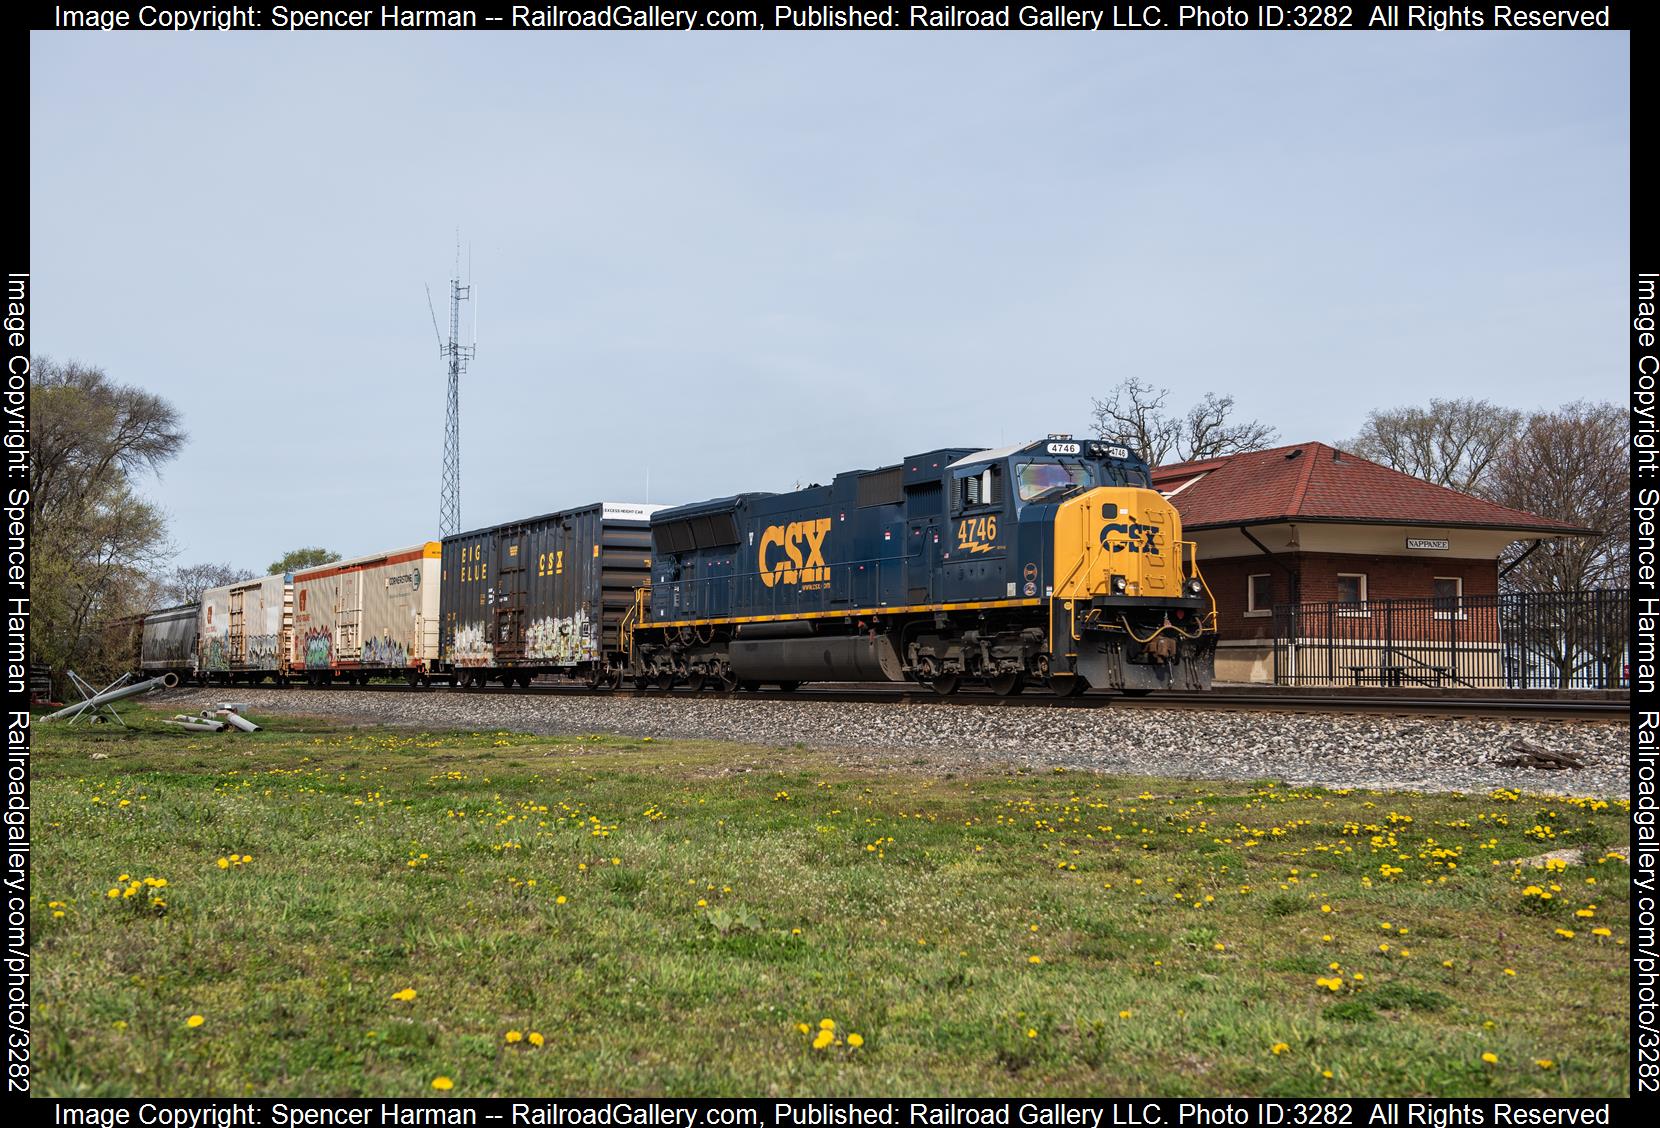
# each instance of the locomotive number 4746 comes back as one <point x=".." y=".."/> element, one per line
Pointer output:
<point x="977" y="534"/>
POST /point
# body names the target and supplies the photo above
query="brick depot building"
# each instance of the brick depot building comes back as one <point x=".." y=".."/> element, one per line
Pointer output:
<point x="1312" y="524"/>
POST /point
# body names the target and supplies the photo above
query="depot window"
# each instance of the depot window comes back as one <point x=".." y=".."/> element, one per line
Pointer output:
<point x="1259" y="594"/>
<point x="1351" y="592"/>
<point x="1449" y="597"/>
<point x="1034" y="479"/>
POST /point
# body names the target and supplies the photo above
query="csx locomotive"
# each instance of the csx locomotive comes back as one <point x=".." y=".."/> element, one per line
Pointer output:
<point x="1052" y="563"/>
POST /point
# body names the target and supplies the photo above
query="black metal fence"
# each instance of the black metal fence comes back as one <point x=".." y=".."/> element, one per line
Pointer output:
<point x="1524" y="640"/>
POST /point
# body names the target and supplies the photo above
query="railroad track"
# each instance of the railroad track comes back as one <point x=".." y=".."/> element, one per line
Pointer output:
<point x="1261" y="700"/>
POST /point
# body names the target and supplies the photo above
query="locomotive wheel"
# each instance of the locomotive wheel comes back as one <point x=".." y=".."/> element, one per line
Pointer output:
<point x="640" y="683"/>
<point x="524" y="680"/>
<point x="1068" y="685"/>
<point x="1007" y="685"/>
<point x="945" y="684"/>
<point x="727" y="683"/>
<point x="665" y="682"/>
<point x="696" y="682"/>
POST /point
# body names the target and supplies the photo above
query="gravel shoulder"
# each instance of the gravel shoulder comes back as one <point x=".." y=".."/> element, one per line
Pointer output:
<point x="1328" y="750"/>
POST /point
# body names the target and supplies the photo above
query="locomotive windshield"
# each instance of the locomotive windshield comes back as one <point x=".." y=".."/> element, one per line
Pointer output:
<point x="1049" y="480"/>
<point x="1052" y="481"/>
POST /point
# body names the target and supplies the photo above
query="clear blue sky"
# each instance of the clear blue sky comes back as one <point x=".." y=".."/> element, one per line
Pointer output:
<point x="736" y="262"/>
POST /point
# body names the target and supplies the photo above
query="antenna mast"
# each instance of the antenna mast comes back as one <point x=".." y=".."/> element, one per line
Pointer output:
<point x="456" y="355"/>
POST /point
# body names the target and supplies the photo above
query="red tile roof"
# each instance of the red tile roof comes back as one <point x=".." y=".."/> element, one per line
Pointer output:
<point x="1315" y="482"/>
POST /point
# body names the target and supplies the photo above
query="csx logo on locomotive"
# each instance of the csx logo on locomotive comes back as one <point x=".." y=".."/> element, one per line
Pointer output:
<point x="1130" y="536"/>
<point x="794" y="567"/>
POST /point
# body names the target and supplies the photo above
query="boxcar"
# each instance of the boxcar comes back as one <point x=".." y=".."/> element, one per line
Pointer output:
<point x="374" y="615"/>
<point x="169" y="641"/>
<point x="244" y="629"/>
<point x="544" y="595"/>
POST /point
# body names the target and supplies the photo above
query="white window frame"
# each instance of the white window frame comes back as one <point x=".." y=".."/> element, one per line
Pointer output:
<point x="1359" y="608"/>
<point x="1458" y="597"/>
<point x="1252" y="611"/>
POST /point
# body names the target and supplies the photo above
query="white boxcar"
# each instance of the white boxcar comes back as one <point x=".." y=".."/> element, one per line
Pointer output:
<point x="169" y="641"/>
<point x="245" y="629"/>
<point x="372" y="615"/>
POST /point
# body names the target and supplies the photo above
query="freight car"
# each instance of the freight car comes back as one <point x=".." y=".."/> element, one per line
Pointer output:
<point x="371" y="616"/>
<point x="1050" y="563"/>
<point x="168" y="644"/>
<point x="244" y="631"/>
<point x="543" y="595"/>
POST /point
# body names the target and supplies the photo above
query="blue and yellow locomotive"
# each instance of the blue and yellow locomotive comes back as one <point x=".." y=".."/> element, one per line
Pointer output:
<point x="1054" y="563"/>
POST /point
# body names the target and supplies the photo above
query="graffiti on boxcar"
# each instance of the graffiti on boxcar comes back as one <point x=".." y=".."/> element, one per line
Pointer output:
<point x="318" y="648"/>
<point x="564" y="641"/>
<point x="384" y="651"/>
<point x="472" y="646"/>
<point x="262" y="651"/>
<point x="215" y="656"/>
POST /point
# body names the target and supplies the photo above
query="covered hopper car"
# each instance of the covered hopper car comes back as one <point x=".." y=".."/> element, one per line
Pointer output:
<point x="168" y="644"/>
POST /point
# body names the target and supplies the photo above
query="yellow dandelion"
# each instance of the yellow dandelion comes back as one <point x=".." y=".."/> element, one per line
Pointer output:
<point x="1544" y="1063"/>
<point x="826" y="1024"/>
<point x="194" y="1021"/>
<point x="1278" y="1048"/>
<point x="1123" y="1014"/>
<point x="535" y="1038"/>
<point x="1034" y="959"/>
<point x="1490" y="1058"/>
<point x="824" y="1039"/>
<point x="405" y="995"/>
<point x="442" y="1084"/>
<point x="514" y="1036"/>
<point x="1031" y="1032"/>
<point x="803" y="1028"/>
<point x="855" y="1040"/>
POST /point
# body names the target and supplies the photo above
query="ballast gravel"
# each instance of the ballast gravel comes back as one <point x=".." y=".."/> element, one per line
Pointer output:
<point x="1414" y="753"/>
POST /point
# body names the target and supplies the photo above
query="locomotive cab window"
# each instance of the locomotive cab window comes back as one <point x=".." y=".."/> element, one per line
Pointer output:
<point x="983" y="487"/>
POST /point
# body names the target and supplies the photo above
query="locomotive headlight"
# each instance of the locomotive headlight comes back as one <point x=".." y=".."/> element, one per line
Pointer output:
<point x="1118" y="585"/>
<point x="1195" y="587"/>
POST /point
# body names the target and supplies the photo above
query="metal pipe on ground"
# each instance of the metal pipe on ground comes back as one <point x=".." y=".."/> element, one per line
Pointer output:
<point x="166" y="681"/>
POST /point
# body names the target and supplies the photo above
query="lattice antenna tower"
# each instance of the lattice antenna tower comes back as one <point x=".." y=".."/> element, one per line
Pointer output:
<point x="456" y="355"/>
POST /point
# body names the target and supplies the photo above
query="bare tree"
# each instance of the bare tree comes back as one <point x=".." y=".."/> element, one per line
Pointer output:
<point x="186" y="582"/>
<point x="1134" y="414"/>
<point x="96" y="541"/>
<point x="1453" y="442"/>
<point x="1570" y="464"/>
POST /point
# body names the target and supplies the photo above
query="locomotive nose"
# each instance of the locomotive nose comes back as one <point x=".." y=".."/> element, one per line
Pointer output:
<point x="1119" y="542"/>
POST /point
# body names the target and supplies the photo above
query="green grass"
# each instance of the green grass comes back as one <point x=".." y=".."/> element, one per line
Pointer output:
<point x="717" y="896"/>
